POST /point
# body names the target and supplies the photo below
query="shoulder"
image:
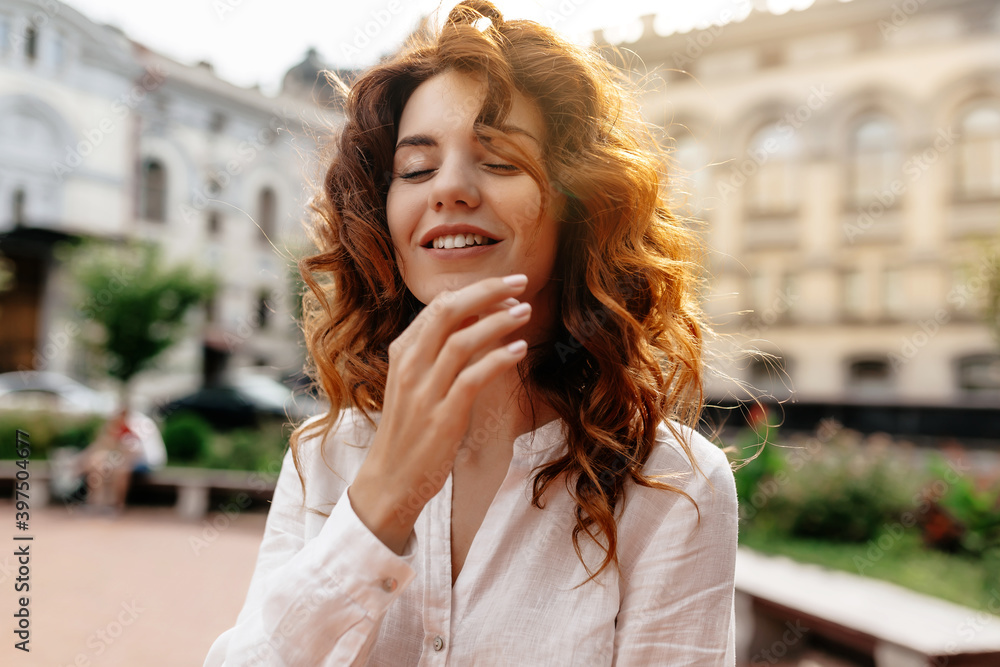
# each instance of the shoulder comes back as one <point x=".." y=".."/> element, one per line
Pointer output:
<point x="672" y="439"/>
<point x="689" y="462"/>
<point x="661" y="519"/>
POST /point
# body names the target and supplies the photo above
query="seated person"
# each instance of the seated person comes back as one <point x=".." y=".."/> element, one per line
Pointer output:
<point x="128" y="443"/>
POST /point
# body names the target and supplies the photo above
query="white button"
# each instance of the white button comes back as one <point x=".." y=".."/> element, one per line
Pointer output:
<point x="438" y="643"/>
<point x="388" y="584"/>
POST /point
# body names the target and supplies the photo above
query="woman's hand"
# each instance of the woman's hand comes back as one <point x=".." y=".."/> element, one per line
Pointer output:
<point x="437" y="367"/>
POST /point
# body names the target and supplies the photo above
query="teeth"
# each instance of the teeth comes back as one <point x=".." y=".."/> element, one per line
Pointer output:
<point x="459" y="240"/>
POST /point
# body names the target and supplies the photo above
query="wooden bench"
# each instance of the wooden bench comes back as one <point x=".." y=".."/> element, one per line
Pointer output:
<point x="191" y="490"/>
<point x="784" y="606"/>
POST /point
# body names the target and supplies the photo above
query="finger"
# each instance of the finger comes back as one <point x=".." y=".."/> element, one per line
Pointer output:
<point x="471" y="380"/>
<point x="503" y="305"/>
<point x="443" y="315"/>
<point x="470" y="344"/>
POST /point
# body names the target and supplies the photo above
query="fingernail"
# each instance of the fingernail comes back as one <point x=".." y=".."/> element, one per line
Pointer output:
<point x="520" y="309"/>
<point x="516" y="280"/>
<point x="509" y="303"/>
<point x="517" y="347"/>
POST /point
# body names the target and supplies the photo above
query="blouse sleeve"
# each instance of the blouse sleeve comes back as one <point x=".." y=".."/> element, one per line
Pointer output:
<point x="678" y="602"/>
<point x="316" y="602"/>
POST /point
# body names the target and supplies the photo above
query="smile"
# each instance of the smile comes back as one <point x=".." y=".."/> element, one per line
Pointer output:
<point x="450" y="241"/>
<point x="461" y="253"/>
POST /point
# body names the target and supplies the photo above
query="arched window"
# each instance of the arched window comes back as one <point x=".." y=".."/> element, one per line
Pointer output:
<point x="30" y="44"/>
<point x="978" y="154"/>
<point x="154" y="191"/>
<point x="874" y="160"/>
<point x="17" y="206"/>
<point x="772" y="184"/>
<point x="214" y="223"/>
<point x="266" y="213"/>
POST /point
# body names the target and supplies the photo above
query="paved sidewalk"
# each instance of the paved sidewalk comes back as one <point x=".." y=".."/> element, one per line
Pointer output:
<point x="126" y="592"/>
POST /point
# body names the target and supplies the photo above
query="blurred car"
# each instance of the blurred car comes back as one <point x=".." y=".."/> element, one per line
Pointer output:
<point x="244" y="401"/>
<point x="54" y="392"/>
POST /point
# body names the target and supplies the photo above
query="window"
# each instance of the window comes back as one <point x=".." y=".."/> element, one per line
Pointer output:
<point x="773" y="187"/>
<point x="4" y="34"/>
<point x="217" y="122"/>
<point x="893" y="293"/>
<point x="690" y="181"/>
<point x="979" y="373"/>
<point x="854" y="294"/>
<point x="978" y="154"/>
<point x="30" y="44"/>
<point x="265" y="213"/>
<point x="17" y="207"/>
<point x="874" y="161"/>
<point x="264" y="310"/>
<point x="769" y="374"/>
<point x="789" y="296"/>
<point x="58" y="50"/>
<point x="154" y="191"/>
<point x="870" y="377"/>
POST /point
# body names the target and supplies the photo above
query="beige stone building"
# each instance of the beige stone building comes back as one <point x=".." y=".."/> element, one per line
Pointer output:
<point x="846" y="160"/>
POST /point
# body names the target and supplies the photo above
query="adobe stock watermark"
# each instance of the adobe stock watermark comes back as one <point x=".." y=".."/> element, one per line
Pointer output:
<point x="220" y="523"/>
<point x="789" y="124"/>
<point x="901" y="13"/>
<point x="33" y="22"/>
<point x="959" y="296"/>
<point x="914" y="167"/>
<point x="780" y="306"/>
<point x="435" y="480"/>
<point x="893" y="532"/>
<point x="698" y="41"/>
<point x="246" y="152"/>
<point x="796" y="458"/>
<point x="120" y="109"/>
<point x="794" y="632"/>
<point x="375" y="23"/>
<point x="104" y="637"/>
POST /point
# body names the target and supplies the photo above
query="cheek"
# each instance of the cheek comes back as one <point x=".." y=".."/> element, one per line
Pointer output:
<point x="398" y="216"/>
<point x="521" y="202"/>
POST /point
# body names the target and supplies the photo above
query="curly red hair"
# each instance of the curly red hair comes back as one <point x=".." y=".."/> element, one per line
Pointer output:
<point x="627" y="351"/>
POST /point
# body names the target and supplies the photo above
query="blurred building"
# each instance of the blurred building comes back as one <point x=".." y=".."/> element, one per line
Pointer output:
<point x="846" y="158"/>
<point x="101" y="137"/>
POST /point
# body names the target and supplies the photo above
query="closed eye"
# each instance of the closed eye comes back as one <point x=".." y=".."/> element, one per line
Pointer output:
<point x="508" y="168"/>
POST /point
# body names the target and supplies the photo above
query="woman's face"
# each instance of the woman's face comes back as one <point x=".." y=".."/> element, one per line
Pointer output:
<point x="447" y="187"/>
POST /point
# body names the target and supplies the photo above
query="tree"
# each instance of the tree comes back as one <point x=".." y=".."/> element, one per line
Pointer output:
<point x="137" y="303"/>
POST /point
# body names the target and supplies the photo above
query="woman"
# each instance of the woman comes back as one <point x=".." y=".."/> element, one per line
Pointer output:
<point x="485" y="494"/>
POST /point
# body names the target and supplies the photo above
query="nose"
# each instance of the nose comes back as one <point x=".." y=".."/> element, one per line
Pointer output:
<point x="454" y="187"/>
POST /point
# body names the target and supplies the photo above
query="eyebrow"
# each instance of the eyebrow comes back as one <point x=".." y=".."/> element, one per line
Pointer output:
<point x="427" y="140"/>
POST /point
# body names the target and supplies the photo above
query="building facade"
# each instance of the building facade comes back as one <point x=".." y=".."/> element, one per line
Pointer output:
<point x="845" y="159"/>
<point x="101" y="137"/>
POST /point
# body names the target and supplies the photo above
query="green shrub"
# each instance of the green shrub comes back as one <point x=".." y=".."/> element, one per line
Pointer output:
<point x="187" y="437"/>
<point x="259" y="449"/>
<point x="46" y="430"/>
<point x="837" y="488"/>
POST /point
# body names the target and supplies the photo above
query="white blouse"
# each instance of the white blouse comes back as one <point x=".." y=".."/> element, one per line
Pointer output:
<point x="327" y="592"/>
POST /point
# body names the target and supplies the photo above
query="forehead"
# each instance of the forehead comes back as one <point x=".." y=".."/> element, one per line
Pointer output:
<point x="450" y="101"/>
